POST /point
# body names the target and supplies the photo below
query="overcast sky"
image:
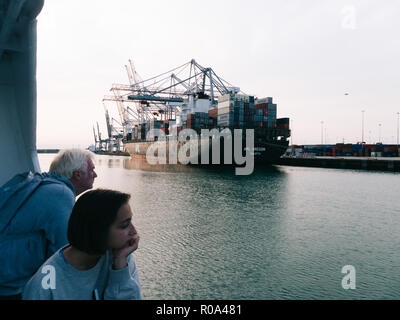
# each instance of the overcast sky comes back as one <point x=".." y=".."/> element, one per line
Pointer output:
<point x="306" y="54"/>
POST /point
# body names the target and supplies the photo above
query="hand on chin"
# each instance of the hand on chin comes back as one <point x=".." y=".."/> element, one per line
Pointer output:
<point x="130" y="246"/>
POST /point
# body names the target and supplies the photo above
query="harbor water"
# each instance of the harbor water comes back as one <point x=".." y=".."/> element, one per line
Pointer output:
<point x="280" y="233"/>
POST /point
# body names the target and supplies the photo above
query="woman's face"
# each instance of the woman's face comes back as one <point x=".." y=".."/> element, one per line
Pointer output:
<point x="122" y="230"/>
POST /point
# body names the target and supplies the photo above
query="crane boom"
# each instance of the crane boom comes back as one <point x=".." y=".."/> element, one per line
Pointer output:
<point x="98" y="131"/>
<point x="95" y="138"/>
<point x="167" y="96"/>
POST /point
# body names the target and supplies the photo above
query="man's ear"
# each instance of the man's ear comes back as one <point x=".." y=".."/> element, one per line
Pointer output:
<point x="76" y="175"/>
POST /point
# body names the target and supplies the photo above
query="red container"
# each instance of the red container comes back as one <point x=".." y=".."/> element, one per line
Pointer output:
<point x="282" y="126"/>
<point x="213" y="113"/>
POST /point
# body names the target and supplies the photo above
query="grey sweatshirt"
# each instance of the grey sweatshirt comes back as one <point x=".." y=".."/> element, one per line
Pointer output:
<point x="58" y="280"/>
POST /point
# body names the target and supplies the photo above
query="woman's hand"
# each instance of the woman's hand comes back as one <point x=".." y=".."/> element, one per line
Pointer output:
<point x="120" y="255"/>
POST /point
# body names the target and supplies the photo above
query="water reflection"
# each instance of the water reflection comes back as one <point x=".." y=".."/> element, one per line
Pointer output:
<point x="110" y="161"/>
<point x="140" y="163"/>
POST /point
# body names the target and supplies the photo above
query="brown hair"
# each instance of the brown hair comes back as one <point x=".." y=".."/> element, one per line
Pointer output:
<point x="91" y="218"/>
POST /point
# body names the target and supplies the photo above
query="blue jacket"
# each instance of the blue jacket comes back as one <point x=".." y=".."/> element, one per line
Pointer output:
<point x="34" y="214"/>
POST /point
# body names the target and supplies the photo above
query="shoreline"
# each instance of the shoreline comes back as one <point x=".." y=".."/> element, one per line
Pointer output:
<point x="360" y="163"/>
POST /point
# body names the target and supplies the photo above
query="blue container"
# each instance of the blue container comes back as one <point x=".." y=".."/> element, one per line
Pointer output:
<point x="356" y="148"/>
<point x="282" y="121"/>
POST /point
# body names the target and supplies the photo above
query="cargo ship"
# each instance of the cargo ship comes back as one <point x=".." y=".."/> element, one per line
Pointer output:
<point x="213" y="115"/>
<point x="233" y="112"/>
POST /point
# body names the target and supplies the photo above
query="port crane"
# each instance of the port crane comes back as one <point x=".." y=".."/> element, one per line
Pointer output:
<point x="100" y="144"/>
<point x="164" y="96"/>
<point x="114" y="133"/>
<point x="96" y="141"/>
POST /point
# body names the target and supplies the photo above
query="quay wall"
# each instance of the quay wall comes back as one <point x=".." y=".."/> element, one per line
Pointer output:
<point x="390" y="164"/>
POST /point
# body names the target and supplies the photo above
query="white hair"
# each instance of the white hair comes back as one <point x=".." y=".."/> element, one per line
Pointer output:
<point x="69" y="160"/>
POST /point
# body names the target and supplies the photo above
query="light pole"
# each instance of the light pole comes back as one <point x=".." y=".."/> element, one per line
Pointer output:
<point x="326" y="140"/>
<point x="398" y="114"/>
<point x="362" y="135"/>
<point x="322" y="132"/>
<point x="291" y="130"/>
<point x="380" y="125"/>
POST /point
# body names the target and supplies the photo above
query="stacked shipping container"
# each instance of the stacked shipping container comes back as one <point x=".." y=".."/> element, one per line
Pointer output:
<point x="165" y="127"/>
<point x="235" y="111"/>
<point x="196" y="121"/>
<point x="354" y="150"/>
<point x="213" y="118"/>
<point x="265" y="113"/>
<point x="282" y="123"/>
<point x="141" y="132"/>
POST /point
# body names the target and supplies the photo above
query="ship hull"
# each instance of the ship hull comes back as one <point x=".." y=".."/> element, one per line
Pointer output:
<point x="263" y="153"/>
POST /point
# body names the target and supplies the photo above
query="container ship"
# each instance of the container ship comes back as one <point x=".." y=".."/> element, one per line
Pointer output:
<point x="200" y="108"/>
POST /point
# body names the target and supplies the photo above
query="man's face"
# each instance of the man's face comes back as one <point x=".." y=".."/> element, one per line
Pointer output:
<point x="88" y="177"/>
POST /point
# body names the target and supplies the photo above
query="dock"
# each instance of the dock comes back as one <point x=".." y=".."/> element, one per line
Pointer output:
<point x="112" y="153"/>
<point x="360" y="163"/>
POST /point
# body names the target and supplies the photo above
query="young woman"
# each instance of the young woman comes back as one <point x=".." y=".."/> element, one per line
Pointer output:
<point x="97" y="263"/>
